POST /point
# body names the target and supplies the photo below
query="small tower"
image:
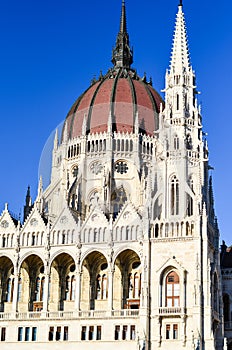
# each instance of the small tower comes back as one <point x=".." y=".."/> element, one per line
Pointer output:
<point x="28" y="204"/>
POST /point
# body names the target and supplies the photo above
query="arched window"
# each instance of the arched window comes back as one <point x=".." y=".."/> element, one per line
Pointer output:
<point x="118" y="199"/>
<point x="98" y="287"/>
<point x="42" y="289"/>
<point x="101" y="286"/>
<point x="177" y="102"/>
<point x="104" y="287"/>
<point x="37" y="289"/>
<point x="134" y="282"/>
<point x="73" y="288"/>
<point x="176" y="142"/>
<point x="10" y="290"/>
<point x="67" y="288"/>
<point x="188" y="142"/>
<point x="70" y="287"/>
<point x="215" y="292"/>
<point x="136" y="285"/>
<point x="172" y="286"/>
<point x="189" y="205"/>
<point x="130" y="285"/>
<point x="174" y="196"/>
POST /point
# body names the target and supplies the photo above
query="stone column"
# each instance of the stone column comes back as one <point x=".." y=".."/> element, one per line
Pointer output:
<point x="46" y="293"/>
<point x="15" y="293"/>
<point x="78" y="291"/>
<point x="110" y="289"/>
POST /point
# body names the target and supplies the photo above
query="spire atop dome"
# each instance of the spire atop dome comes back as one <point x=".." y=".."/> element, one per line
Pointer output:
<point x="122" y="53"/>
<point x="180" y="60"/>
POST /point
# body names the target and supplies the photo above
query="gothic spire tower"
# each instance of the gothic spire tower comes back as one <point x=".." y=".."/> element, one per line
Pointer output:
<point x="122" y="53"/>
<point x="185" y="230"/>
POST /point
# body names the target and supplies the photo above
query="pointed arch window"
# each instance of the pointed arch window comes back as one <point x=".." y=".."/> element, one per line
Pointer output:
<point x="215" y="292"/>
<point x="189" y="205"/>
<point x="104" y="286"/>
<point x="177" y="102"/>
<point x="37" y="289"/>
<point x="73" y="288"/>
<point x="176" y="142"/>
<point x="98" y="287"/>
<point x="118" y="199"/>
<point x="136" y="285"/>
<point x="42" y="288"/>
<point x="10" y="290"/>
<point x="172" y="286"/>
<point x="174" y="196"/>
<point x="70" y="287"/>
<point x="67" y="288"/>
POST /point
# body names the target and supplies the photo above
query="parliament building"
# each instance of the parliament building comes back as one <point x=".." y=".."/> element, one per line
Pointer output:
<point x="121" y="249"/>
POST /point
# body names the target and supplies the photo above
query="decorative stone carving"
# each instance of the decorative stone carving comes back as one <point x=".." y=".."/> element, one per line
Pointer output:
<point x="96" y="168"/>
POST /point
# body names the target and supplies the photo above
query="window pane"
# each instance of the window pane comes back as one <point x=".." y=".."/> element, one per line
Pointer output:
<point x="34" y="333"/>
<point x="58" y="333"/>
<point x="51" y="333"/>
<point x="65" y="333"/>
<point x="117" y="332"/>
<point x="176" y="290"/>
<point x="168" y="331"/>
<point x="27" y="334"/>
<point x="83" y="333"/>
<point x="98" y="332"/>
<point x="20" y="333"/>
<point x="169" y="290"/>
<point x="3" y="334"/>
<point x="175" y="331"/>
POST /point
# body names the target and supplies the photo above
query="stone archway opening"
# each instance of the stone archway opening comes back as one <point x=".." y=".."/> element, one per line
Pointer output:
<point x="62" y="284"/>
<point x="31" y="284"/>
<point x="7" y="284"/>
<point x="127" y="280"/>
<point x="94" y="283"/>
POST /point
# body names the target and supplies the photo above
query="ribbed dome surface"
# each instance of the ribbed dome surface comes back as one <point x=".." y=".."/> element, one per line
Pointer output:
<point x="115" y="100"/>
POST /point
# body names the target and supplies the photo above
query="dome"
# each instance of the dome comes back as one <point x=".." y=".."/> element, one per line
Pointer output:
<point x="120" y="101"/>
<point x="116" y="98"/>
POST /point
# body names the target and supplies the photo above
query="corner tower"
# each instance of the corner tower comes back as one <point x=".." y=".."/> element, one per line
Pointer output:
<point x="185" y="232"/>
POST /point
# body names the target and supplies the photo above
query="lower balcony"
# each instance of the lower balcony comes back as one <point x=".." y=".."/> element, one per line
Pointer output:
<point x="171" y="311"/>
<point x="124" y="313"/>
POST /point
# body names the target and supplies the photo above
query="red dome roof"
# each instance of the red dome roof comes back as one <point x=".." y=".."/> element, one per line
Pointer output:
<point x="120" y="101"/>
<point x="115" y="99"/>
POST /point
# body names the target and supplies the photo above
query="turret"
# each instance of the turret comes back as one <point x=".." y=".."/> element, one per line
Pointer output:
<point x="28" y="204"/>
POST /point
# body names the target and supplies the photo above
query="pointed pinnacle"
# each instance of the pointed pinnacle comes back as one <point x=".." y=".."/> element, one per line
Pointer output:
<point x="122" y="54"/>
<point x="123" y="18"/>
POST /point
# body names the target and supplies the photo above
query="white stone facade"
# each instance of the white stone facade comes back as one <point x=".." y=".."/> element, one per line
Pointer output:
<point x="121" y="249"/>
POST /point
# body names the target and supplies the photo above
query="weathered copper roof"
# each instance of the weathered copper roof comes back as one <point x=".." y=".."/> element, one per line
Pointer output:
<point x="119" y="95"/>
<point x="119" y="101"/>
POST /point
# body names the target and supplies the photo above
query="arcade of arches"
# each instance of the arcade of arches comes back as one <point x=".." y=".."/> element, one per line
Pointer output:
<point x="94" y="284"/>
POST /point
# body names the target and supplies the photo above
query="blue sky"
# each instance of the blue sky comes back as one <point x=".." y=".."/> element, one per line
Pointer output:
<point x="50" y="51"/>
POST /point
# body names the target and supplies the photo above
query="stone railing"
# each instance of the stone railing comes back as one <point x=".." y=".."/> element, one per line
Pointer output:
<point x="163" y="311"/>
<point x="68" y="314"/>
